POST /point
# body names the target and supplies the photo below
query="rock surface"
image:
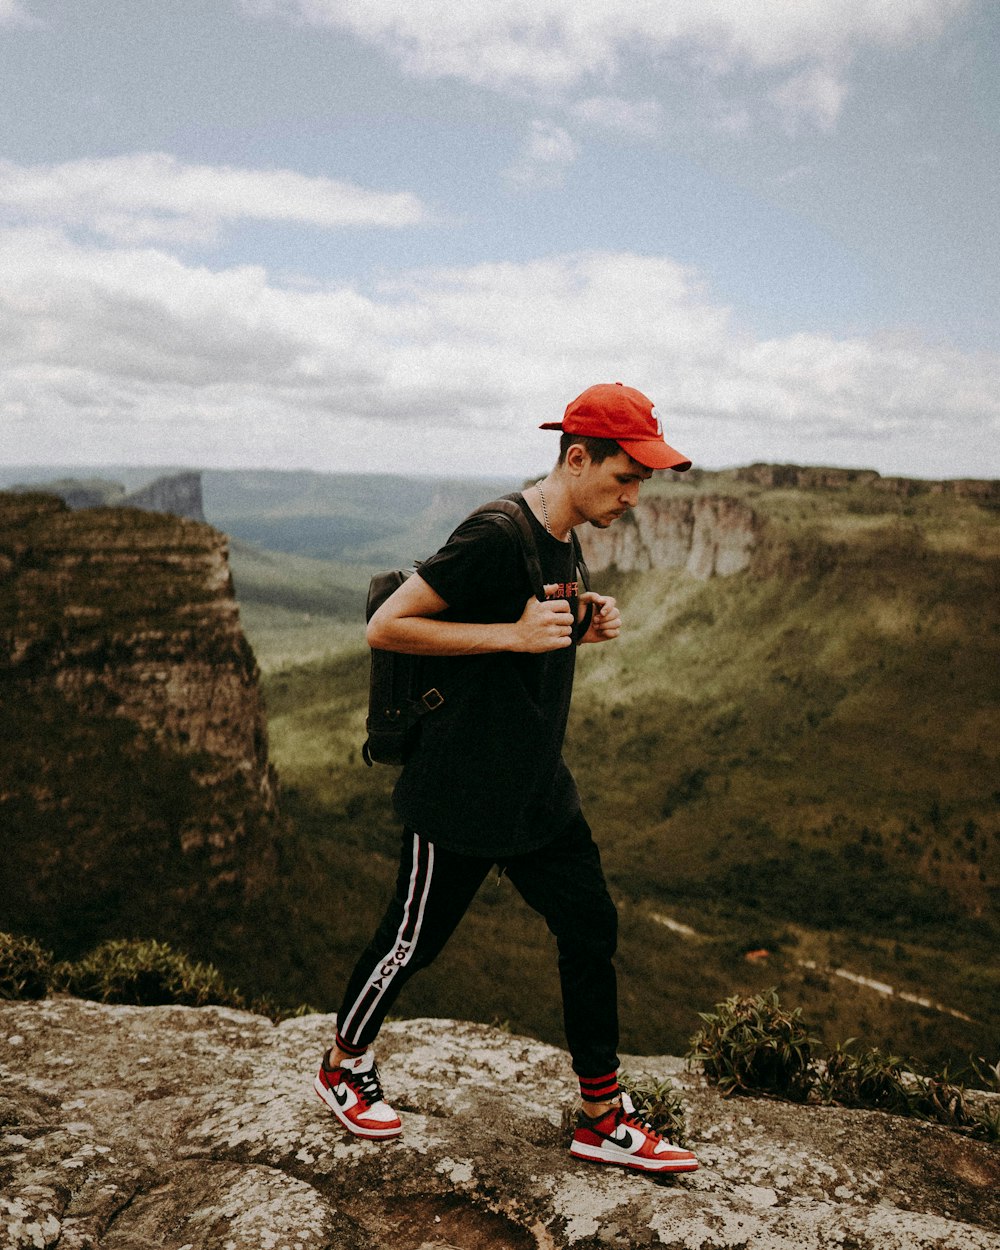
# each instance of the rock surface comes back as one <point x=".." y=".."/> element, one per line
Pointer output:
<point x="131" y="715"/>
<point x="707" y="536"/>
<point x="177" y="493"/>
<point x="197" y="1129"/>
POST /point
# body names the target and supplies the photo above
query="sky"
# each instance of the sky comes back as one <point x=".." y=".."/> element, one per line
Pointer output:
<point x="397" y="235"/>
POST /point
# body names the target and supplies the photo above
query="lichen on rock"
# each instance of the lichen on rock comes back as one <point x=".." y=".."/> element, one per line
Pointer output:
<point x="180" y="1127"/>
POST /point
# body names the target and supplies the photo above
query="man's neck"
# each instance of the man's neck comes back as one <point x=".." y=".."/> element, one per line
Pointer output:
<point x="547" y="499"/>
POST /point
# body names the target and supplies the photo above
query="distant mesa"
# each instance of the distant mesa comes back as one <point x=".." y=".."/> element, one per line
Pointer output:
<point x="709" y="531"/>
<point x="808" y="477"/>
<point x="179" y="494"/>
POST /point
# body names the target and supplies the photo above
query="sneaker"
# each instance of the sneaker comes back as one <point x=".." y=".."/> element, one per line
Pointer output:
<point x="622" y="1136"/>
<point x="353" y="1093"/>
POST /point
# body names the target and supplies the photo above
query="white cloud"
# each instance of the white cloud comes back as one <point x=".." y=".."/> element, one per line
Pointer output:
<point x="816" y="95"/>
<point x="562" y="45"/>
<point x="548" y="153"/>
<point x="131" y="355"/>
<point x="13" y="14"/>
<point x="151" y="196"/>
<point x="639" y="117"/>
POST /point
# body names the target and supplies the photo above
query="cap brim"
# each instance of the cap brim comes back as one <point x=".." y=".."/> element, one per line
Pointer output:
<point x="654" y="454"/>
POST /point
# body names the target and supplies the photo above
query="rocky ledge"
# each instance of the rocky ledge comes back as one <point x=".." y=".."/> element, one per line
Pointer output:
<point x="197" y="1129"/>
<point x="132" y="725"/>
<point x="707" y="536"/>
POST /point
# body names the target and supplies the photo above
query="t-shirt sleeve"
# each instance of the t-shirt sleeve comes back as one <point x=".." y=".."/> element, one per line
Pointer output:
<point x="479" y="572"/>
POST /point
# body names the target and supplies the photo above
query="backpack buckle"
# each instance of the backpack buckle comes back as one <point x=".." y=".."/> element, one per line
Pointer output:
<point x="432" y="699"/>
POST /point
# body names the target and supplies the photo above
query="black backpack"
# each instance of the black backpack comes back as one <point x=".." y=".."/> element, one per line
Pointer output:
<point x="399" y="694"/>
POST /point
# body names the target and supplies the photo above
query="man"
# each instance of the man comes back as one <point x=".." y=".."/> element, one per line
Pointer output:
<point x="486" y="784"/>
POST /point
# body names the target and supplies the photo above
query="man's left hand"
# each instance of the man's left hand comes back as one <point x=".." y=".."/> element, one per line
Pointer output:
<point x="607" y="620"/>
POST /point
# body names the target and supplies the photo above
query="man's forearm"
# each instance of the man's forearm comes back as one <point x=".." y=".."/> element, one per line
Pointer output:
<point x="421" y="635"/>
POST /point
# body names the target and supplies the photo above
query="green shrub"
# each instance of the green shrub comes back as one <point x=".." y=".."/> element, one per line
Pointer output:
<point x="936" y="1098"/>
<point x="986" y="1125"/>
<point x="659" y="1103"/>
<point x="147" y="974"/>
<point x="754" y="1046"/>
<point x="986" y="1074"/>
<point x="863" y="1079"/>
<point x="25" y="968"/>
<point x="876" y="1081"/>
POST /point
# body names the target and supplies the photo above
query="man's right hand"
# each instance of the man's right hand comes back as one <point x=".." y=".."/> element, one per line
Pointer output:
<point x="545" y="625"/>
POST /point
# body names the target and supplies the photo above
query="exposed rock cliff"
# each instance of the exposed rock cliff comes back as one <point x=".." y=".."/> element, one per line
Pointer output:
<point x="810" y="477"/>
<point x="178" y="493"/>
<point x="707" y="536"/>
<point x="197" y="1129"/>
<point x="717" y="531"/>
<point x="129" y="704"/>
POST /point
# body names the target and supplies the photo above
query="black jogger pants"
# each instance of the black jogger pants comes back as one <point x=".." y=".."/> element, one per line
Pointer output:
<point x="563" y="881"/>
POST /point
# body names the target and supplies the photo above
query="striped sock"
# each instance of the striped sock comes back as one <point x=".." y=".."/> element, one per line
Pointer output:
<point x="595" y="1089"/>
<point x="351" y="1051"/>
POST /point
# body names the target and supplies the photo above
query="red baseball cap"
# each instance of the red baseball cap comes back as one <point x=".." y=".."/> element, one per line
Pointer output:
<point x="611" y="410"/>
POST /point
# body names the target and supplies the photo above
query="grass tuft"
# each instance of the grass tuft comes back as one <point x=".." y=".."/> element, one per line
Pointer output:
<point x="755" y="1046"/>
<point x="659" y="1103"/>
<point x="146" y="974"/>
<point x="25" y="968"/>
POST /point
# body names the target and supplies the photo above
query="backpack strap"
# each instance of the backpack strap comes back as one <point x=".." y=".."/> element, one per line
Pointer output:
<point x="581" y="565"/>
<point x="508" y="512"/>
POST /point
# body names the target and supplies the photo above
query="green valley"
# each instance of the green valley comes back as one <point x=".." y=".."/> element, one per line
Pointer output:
<point x="792" y="772"/>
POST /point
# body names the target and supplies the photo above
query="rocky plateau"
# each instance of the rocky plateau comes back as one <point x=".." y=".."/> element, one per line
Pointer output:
<point x="134" y="1128"/>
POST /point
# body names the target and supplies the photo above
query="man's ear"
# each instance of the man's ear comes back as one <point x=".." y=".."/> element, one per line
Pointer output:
<point x="577" y="458"/>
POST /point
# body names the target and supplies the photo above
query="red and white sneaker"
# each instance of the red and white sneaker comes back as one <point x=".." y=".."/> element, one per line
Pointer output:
<point x="353" y="1093"/>
<point x="625" y="1138"/>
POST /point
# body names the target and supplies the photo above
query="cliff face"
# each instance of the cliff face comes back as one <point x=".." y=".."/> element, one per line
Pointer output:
<point x="181" y="1127"/>
<point x="178" y="493"/>
<point x="807" y="477"/>
<point x="716" y="533"/>
<point x="134" y="733"/>
<point x="706" y="536"/>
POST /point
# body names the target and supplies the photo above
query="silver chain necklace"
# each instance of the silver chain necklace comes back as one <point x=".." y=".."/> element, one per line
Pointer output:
<point x="545" y="511"/>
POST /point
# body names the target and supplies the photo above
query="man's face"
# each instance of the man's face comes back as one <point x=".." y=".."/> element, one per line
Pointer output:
<point x="609" y="489"/>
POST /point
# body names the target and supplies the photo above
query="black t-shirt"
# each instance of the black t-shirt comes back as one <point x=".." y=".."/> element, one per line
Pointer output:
<point x="487" y="775"/>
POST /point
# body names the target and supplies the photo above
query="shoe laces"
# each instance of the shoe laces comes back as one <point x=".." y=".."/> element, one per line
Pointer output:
<point x="636" y="1119"/>
<point x="367" y="1085"/>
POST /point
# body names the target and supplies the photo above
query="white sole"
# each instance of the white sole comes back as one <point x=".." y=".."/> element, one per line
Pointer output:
<point x="596" y="1154"/>
<point x="374" y="1134"/>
